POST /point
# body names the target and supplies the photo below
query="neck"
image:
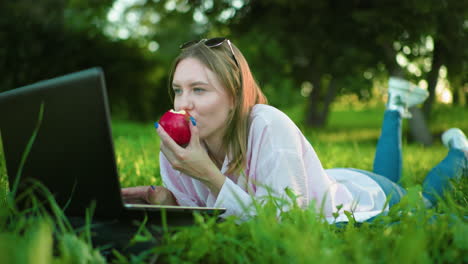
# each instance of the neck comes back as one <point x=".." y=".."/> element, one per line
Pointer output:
<point x="216" y="151"/>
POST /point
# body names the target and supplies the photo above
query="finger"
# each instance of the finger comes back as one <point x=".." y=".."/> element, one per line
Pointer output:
<point x="169" y="154"/>
<point x="156" y="195"/>
<point x="133" y="191"/>
<point x="167" y="140"/>
<point x="195" y="136"/>
<point x="152" y="195"/>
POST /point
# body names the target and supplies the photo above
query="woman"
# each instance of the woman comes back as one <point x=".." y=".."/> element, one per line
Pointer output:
<point x="242" y="149"/>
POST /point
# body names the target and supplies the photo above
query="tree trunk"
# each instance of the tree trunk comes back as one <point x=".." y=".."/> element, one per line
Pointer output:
<point x="319" y="103"/>
<point x="432" y="77"/>
<point x="462" y="95"/>
<point x="419" y="130"/>
<point x="459" y="93"/>
<point x="313" y="109"/>
<point x="329" y="98"/>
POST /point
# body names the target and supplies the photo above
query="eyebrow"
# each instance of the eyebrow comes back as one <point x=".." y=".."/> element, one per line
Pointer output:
<point x="191" y="84"/>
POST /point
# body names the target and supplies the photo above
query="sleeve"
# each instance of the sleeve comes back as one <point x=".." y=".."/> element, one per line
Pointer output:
<point x="276" y="163"/>
<point x="279" y="171"/>
<point x="178" y="184"/>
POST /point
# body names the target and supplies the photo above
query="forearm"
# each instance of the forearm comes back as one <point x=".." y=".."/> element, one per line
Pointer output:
<point x="214" y="180"/>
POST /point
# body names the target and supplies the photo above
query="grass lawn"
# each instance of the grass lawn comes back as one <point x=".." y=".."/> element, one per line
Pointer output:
<point x="408" y="234"/>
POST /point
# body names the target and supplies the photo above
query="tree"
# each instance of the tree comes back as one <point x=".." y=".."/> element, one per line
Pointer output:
<point x="450" y="34"/>
<point x="325" y="43"/>
<point x="335" y="47"/>
<point x="332" y="41"/>
<point x="56" y="37"/>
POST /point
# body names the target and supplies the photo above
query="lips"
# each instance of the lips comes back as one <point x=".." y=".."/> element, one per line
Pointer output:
<point x="176" y="125"/>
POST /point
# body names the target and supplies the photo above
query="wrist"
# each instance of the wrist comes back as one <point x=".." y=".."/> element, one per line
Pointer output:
<point x="215" y="181"/>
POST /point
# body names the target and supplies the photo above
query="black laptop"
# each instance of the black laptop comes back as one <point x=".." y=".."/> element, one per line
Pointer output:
<point x="72" y="154"/>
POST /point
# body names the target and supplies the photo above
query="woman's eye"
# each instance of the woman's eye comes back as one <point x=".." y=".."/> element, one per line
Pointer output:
<point x="198" y="90"/>
<point x="177" y="91"/>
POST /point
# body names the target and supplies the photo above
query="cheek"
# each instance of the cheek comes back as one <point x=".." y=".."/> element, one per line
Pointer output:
<point x="222" y="115"/>
<point x="176" y="104"/>
<point x="214" y="116"/>
<point x="213" y="111"/>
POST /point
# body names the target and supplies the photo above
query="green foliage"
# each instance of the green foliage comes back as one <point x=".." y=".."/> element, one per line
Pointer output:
<point x="30" y="239"/>
<point x="343" y="47"/>
<point x="409" y="233"/>
<point x="55" y="37"/>
<point x="338" y="47"/>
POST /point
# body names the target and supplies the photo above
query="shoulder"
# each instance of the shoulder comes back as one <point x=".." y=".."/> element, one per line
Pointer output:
<point x="269" y="115"/>
<point x="269" y="124"/>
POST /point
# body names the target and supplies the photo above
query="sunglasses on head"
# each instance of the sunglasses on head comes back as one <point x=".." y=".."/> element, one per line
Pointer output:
<point x="211" y="43"/>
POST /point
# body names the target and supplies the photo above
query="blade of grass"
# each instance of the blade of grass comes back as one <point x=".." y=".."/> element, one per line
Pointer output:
<point x="27" y="150"/>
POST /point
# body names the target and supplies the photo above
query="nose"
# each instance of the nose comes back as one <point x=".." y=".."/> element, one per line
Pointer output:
<point x="183" y="102"/>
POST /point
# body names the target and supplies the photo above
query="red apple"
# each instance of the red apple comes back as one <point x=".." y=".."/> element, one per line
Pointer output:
<point x="176" y="124"/>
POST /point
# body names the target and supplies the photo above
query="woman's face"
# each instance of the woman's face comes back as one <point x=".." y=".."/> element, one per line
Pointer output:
<point x="198" y="91"/>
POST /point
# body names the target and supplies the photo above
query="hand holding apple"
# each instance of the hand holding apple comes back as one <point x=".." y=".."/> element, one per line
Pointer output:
<point x="191" y="158"/>
<point x="176" y="124"/>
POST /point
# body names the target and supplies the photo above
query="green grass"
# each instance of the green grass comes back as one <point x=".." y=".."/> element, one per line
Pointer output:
<point x="137" y="153"/>
<point x="409" y="234"/>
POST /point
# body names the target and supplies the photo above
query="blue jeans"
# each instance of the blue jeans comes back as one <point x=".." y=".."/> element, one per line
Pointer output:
<point x="388" y="164"/>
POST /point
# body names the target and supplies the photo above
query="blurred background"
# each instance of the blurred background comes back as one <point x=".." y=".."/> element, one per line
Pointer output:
<point x="312" y="54"/>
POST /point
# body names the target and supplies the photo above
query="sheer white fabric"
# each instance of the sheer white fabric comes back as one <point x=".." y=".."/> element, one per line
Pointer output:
<point x="280" y="157"/>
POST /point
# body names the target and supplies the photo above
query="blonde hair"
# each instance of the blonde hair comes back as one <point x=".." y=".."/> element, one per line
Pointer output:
<point x="241" y="88"/>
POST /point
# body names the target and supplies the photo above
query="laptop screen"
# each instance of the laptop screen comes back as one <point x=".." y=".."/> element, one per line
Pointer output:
<point x="57" y="132"/>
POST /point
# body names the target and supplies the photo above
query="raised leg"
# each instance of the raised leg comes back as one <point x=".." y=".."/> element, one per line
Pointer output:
<point x="401" y="95"/>
<point x="388" y="158"/>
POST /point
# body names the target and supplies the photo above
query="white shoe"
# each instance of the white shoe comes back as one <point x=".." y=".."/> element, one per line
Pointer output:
<point x="402" y="95"/>
<point x="455" y="138"/>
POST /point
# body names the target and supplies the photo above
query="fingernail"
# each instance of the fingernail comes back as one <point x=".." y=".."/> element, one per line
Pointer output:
<point x="152" y="187"/>
<point x="193" y="121"/>
<point x="156" y="125"/>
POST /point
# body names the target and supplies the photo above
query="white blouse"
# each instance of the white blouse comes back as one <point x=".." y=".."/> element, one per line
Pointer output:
<point x="280" y="157"/>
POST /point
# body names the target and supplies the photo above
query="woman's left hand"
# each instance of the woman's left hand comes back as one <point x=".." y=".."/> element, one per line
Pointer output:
<point x="148" y="195"/>
<point x="193" y="160"/>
